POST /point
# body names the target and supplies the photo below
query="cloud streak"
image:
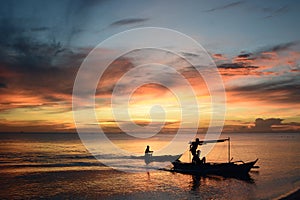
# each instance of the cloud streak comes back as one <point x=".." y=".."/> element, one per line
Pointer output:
<point x="227" y="6"/>
<point x="280" y="11"/>
<point x="129" y="21"/>
<point x="236" y="66"/>
<point x="281" y="47"/>
<point x="284" y="91"/>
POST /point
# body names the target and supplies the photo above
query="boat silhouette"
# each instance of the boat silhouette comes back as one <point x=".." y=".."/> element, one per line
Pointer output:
<point x="230" y="168"/>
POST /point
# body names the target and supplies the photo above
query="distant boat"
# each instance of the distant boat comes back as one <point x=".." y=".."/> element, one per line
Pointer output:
<point x="237" y="168"/>
<point x="148" y="158"/>
<point x="164" y="158"/>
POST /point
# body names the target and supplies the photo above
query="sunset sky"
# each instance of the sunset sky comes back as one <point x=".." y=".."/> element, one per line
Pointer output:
<point x="255" y="45"/>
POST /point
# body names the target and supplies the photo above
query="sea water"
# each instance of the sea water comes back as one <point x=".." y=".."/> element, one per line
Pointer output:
<point x="57" y="165"/>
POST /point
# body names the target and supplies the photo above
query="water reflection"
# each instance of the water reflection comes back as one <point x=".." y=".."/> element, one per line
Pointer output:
<point x="198" y="180"/>
<point x="58" y="166"/>
<point x="247" y="178"/>
<point x="195" y="182"/>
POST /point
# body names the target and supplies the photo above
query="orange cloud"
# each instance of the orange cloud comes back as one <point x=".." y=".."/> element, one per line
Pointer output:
<point x="48" y="90"/>
<point x="35" y="126"/>
<point x="219" y="57"/>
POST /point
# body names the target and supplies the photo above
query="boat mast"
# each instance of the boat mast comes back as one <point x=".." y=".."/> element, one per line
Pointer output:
<point x="228" y="149"/>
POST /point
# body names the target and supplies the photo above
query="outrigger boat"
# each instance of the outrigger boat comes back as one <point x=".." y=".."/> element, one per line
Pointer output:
<point x="230" y="168"/>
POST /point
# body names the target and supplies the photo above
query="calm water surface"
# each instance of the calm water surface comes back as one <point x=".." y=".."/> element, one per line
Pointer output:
<point x="58" y="166"/>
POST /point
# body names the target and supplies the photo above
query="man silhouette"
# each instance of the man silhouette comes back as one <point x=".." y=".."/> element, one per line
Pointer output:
<point x="194" y="146"/>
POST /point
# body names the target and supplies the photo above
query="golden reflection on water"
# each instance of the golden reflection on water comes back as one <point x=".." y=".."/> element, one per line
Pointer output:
<point x="64" y="169"/>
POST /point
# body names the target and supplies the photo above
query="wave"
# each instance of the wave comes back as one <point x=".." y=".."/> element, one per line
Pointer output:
<point x="33" y="160"/>
<point x="72" y="164"/>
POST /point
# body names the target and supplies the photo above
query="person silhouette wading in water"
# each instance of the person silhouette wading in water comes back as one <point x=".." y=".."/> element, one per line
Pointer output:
<point x="148" y="150"/>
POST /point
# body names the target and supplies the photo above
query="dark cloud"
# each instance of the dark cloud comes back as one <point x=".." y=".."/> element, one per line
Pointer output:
<point x="278" y="48"/>
<point x="273" y="125"/>
<point x="225" y="6"/>
<point x="21" y="49"/>
<point x="288" y="46"/>
<point x="282" y="87"/>
<point x="246" y="55"/>
<point x="236" y="66"/>
<point x="3" y="85"/>
<point x="128" y="21"/>
<point x="188" y="54"/>
<point x="43" y="70"/>
<point x="67" y="19"/>
<point x="247" y="60"/>
<point x="282" y="47"/>
<point x="76" y="17"/>
<point x="280" y="91"/>
<point x="9" y="31"/>
<point x="112" y="74"/>
<point x="262" y="125"/>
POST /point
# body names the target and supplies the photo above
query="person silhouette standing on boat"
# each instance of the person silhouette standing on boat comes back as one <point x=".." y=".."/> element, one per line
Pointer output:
<point x="194" y="146"/>
<point x="193" y="150"/>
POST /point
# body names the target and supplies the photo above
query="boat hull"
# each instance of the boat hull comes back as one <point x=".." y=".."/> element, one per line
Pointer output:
<point x="224" y="169"/>
<point x="165" y="158"/>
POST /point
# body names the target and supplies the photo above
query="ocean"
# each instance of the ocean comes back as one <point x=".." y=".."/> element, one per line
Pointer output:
<point x="57" y="165"/>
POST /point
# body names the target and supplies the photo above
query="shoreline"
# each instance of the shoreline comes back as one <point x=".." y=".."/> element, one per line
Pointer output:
<point x="292" y="195"/>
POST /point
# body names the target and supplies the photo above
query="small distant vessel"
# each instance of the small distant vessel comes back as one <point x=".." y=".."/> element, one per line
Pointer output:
<point x="164" y="158"/>
<point x="148" y="158"/>
<point x="237" y="168"/>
